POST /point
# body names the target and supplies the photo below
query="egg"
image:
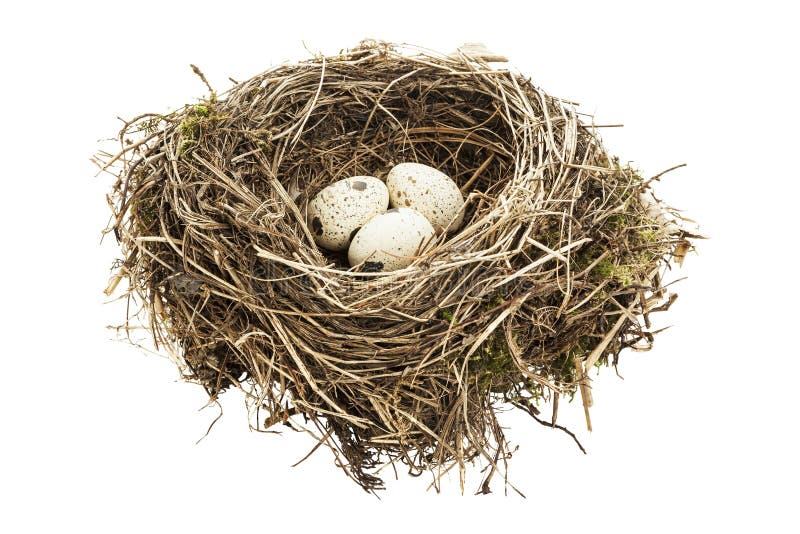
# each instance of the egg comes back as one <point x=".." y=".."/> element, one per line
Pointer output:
<point x="389" y="241"/>
<point x="337" y="212"/>
<point x="427" y="190"/>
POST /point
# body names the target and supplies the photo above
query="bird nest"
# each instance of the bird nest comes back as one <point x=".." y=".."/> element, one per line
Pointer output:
<point x="555" y="269"/>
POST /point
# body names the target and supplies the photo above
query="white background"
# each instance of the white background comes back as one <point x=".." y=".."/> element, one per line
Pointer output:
<point x="98" y="436"/>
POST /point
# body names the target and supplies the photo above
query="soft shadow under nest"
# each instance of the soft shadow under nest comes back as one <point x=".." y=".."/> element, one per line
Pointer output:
<point x="554" y="271"/>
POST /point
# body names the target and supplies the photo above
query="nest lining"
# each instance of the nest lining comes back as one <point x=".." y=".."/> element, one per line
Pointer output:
<point x="554" y="270"/>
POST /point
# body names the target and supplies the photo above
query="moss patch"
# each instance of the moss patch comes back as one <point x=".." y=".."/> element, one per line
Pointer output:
<point x="198" y="120"/>
<point x="492" y="364"/>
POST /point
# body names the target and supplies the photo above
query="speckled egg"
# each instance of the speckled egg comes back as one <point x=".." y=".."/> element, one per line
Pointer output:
<point x="390" y="241"/>
<point x="427" y="190"/>
<point x="337" y="212"/>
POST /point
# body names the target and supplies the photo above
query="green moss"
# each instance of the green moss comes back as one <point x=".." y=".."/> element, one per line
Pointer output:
<point x="197" y="119"/>
<point x="493" y="363"/>
<point x="604" y="269"/>
<point x="624" y="275"/>
<point x="585" y="256"/>
<point x="617" y="222"/>
<point x="184" y="147"/>
<point x="648" y="235"/>
<point x="189" y="128"/>
<point x="447" y="315"/>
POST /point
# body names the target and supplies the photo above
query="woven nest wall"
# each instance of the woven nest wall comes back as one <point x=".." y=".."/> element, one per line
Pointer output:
<point x="555" y="269"/>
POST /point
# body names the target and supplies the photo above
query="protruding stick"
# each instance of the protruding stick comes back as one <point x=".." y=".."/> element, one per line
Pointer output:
<point x="586" y="394"/>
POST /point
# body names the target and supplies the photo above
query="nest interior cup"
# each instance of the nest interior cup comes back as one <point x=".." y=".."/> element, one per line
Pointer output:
<point x="554" y="270"/>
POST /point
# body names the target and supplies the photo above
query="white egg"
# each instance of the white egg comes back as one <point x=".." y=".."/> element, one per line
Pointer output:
<point x="427" y="190"/>
<point x="339" y="210"/>
<point x="390" y="240"/>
